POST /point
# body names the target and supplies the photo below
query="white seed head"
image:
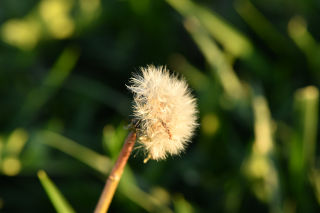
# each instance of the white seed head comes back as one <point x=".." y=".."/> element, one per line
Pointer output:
<point x="164" y="111"/>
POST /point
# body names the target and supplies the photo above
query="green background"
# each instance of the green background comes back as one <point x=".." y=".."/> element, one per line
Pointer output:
<point x="64" y="107"/>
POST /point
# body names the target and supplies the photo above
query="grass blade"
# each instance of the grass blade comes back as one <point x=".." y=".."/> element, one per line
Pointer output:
<point x="217" y="60"/>
<point x="260" y="167"/>
<point x="59" y="202"/>
<point x="232" y="40"/>
<point x="263" y="27"/>
<point x="38" y="96"/>
<point x="87" y="156"/>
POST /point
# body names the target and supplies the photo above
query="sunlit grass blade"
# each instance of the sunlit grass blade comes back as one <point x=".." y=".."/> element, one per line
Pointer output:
<point x="303" y="144"/>
<point x="102" y="164"/>
<point x="207" y="88"/>
<point x="234" y="43"/>
<point x="299" y="33"/>
<point x="195" y="77"/>
<point x="303" y="148"/>
<point x="262" y="126"/>
<point x="232" y="40"/>
<point x="182" y="206"/>
<point x="59" y="202"/>
<point x="87" y="156"/>
<point x="217" y="60"/>
<point x="297" y="29"/>
<point x="262" y="26"/>
<point x="307" y="103"/>
<point x="16" y="142"/>
<point x="260" y="166"/>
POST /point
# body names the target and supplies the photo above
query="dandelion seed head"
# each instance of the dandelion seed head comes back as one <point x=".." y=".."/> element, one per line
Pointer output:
<point x="165" y="112"/>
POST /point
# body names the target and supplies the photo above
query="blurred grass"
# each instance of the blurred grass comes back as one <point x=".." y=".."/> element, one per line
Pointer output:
<point x="10" y="150"/>
<point x="253" y="66"/>
<point x="59" y="202"/>
<point x="302" y="158"/>
<point x="102" y="164"/>
<point x="261" y="165"/>
<point x="302" y="37"/>
<point x="264" y="28"/>
<point x="217" y="61"/>
<point x="99" y="92"/>
<point x="38" y="96"/>
<point x="195" y="16"/>
<point x="99" y="162"/>
<point x="230" y="38"/>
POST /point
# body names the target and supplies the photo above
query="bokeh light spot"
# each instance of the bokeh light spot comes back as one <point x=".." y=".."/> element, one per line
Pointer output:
<point x="23" y="34"/>
<point x="16" y="141"/>
<point x="11" y="166"/>
<point x="210" y="124"/>
<point x="55" y="14"/>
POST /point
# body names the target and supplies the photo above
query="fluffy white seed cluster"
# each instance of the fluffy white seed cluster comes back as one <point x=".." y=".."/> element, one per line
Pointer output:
<point x="164" y="111"/>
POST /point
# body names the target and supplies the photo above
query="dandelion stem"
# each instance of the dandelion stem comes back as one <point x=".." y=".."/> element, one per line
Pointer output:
<point x="115" y="175"/>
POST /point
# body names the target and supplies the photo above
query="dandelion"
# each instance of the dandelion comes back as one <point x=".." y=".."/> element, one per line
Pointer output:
<point x="164" y="118"/>
<point x="164" y="110"/>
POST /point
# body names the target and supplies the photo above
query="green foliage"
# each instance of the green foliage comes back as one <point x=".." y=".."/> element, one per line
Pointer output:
<point x="253" y="66"/>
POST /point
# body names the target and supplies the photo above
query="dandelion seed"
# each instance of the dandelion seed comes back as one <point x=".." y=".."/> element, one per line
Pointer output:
<point x="164" y="119"/>
<point x="164" y="112"/>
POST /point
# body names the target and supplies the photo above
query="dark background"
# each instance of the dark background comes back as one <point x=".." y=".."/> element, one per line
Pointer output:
<point x="64" y="107"/>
